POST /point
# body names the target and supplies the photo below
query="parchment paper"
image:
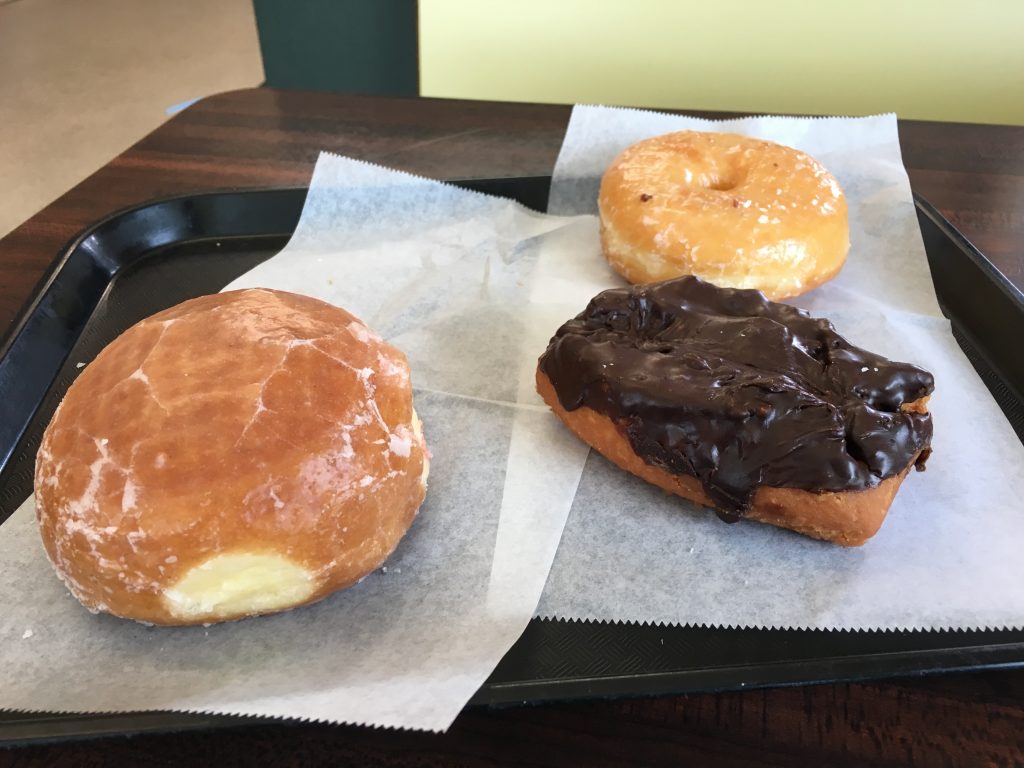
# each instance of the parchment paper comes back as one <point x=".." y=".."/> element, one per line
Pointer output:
<point x="469" y="287"/>
<point x="948" y="554"/>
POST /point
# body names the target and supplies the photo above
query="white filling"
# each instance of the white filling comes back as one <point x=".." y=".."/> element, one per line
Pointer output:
<point x="239" y="584"/>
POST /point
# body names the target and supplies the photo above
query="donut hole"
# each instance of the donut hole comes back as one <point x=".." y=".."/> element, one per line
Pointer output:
<point x="726" y="177"/>
<point x="722" y="175"/>
<point x="723" y="183"/>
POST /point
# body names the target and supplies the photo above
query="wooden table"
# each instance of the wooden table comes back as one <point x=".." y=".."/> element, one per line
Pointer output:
<point x="265" y="137"/>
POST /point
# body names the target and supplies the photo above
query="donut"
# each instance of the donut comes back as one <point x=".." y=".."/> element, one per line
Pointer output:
<point x="731" y="210"/>
<point x="235" y="455"/>
<point x="744" y="405"/>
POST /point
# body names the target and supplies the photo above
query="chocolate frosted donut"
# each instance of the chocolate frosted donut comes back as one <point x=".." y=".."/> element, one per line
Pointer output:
<point x="731" y="400"/>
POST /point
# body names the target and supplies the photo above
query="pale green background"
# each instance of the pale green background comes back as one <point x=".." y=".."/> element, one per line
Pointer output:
<point x="928" y="59"/>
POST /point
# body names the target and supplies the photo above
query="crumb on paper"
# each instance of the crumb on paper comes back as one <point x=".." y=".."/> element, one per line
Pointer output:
<point x="330" y="281"/>
<point x="27" y="634"/>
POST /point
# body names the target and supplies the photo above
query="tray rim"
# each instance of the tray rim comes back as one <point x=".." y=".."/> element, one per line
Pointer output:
<point x="58" y="263"/>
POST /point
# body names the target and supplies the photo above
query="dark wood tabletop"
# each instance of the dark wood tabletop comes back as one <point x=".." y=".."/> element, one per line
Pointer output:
<point x="263" y="137"/>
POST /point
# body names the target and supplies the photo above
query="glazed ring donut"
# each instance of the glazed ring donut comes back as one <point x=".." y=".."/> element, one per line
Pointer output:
<point x="235" y="455"/>
<point x="731" y="210"/>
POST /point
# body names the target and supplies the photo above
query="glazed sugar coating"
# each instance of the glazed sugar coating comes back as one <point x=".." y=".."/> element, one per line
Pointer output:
<point x="236" y="454"/>
<point x="732" y="210"/>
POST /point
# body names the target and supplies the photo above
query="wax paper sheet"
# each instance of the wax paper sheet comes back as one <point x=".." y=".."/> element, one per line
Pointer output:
<point x="946" y="556"/>
<point x="463" y="283"/>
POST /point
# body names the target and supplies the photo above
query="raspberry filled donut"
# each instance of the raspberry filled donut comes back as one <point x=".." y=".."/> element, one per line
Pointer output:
<point x="732" y="210"/>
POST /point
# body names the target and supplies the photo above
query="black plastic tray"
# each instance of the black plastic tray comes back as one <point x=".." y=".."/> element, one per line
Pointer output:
<point x="139" y="261"/>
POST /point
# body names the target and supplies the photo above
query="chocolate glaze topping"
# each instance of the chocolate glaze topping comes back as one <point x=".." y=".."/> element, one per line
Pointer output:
<point x="739" y="391"/>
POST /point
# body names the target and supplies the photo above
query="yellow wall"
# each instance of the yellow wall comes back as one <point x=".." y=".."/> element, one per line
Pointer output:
<point x="927" y="59"/>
